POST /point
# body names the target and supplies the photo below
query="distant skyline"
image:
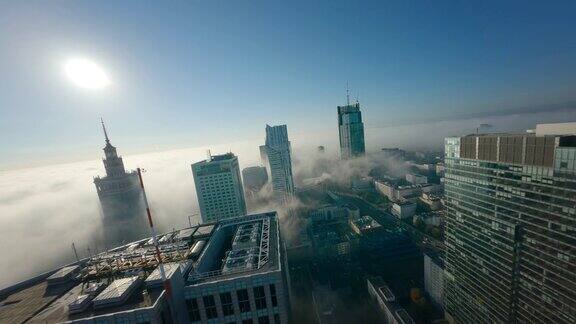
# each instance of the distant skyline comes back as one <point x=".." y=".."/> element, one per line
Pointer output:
<point x="189" y="74"/>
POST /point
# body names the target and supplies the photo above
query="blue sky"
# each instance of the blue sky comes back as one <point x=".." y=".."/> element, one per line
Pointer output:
<point x="191" y="73"/>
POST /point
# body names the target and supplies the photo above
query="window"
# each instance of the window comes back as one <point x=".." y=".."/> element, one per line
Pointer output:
<point x="226" y="301"/>
<point x="263" y="320"/>
<point x="276" y="318"/>
<point x="247" y="321"/>
<point x="210" y="307"/>
<point x="273" y="295"/>
<point x="243" y="301"/>
<point x="260" y="297"/>
<point x="193" y="309"/>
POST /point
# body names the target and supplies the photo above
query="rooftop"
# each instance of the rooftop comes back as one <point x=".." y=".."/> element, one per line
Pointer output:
<point x="127" y="277"/>
<point x="388" y="299"/>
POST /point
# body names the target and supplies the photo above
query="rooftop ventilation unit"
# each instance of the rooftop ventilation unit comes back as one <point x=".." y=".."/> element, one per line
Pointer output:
<point x="197" y="249"/>
<point x="387" y="293"/>
<point x="245" y="241"/>
<point x="84" y="300"/>
<point x="117" y="292"/>
<point x="404" y="317"/>
<point x="234" y="254"/>
<point x="63" y="275"/>
<point x="240" y="264"/>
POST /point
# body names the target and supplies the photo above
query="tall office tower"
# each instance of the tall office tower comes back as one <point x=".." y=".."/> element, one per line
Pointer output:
<point x="219" y="187"/>
<point x="123" y="210"/>
<point x="511" y="227"/>
<point x="277" y="154"/>
<point x="351" y="130"/>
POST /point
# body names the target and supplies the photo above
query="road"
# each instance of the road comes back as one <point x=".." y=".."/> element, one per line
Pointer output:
<point x="385" y="218"/>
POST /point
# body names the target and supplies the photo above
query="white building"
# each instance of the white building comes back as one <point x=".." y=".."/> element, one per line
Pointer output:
<point x="277" y="153"/>
<point x="434" y="202"/>
<point x="398" y="193"/>
<point x="416" y="178"/>
<point x="434" y="278"/>
<point x="219" y="187"/>
<point x="404" y="209"/>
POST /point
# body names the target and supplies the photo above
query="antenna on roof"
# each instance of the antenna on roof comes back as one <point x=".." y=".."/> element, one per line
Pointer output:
<point x="357" y="96"/>
<point x="104" y="128"/>
<point x="75" y="253"/>
<point x="165" y="281"/>
<point x="209" y="155"/>
<point x="347" y="94"/>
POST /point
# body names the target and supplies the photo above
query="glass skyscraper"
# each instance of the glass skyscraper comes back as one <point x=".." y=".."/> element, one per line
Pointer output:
<point x="351" y="131"/>
<point x="276" y="153"/>
<point x="511" y="228"/>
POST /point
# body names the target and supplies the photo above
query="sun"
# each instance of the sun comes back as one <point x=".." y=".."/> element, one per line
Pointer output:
<point x="86" y="73"/>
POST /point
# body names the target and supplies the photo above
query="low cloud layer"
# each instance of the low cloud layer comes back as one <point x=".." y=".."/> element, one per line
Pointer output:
<point x="43" y="210"/>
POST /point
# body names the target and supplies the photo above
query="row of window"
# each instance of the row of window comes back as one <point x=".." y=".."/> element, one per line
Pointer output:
<point x="210" y="309"/>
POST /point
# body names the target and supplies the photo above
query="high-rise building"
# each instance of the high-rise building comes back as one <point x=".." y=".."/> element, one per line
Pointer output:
<point x="231" y="271"/>
<point x="120" y="194"/>
<point x="277" y="154"/>
<point x="219" y="187"/>
<point x="255" y="178"/>
<point x="434" y="277"/>
<point x="511" y="227"/>
<point x="351" y="131"/>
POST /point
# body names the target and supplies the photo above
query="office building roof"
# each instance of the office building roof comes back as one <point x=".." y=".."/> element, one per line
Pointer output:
<point x="89" y="290"/>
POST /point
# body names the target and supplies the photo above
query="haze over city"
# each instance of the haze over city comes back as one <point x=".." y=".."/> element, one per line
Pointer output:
<point x="372" y="93"/>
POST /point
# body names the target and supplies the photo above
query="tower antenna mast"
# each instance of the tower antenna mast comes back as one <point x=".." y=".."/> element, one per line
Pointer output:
<point x="165" y="281"/>
<point x="104" y="128"/>
<point x="347" y="94"/>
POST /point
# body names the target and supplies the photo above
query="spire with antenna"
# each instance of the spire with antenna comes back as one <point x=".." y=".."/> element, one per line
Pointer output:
<point x="105" y="133"/>
<point x="347" y="94"/>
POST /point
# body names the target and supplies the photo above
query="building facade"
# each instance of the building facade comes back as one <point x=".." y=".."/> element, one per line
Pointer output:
<point x="219" y="187"/>
<point x="120" y="195"/>
<point x="511" y="228"/>
<point x="351" y="131"/>
<point x="434" y="277"/>
<point x="277" y="154"/>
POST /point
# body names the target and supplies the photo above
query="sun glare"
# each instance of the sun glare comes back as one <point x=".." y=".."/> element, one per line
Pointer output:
<point x="86" y="74"/>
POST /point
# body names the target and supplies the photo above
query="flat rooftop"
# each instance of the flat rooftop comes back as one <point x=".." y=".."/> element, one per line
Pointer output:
<point x="247" y="245"/>
<point x="127" y="277"/>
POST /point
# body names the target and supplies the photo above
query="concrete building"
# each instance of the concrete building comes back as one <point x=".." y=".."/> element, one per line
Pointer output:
<point x="328" y="213"/>
<point x="254" y="178"/>
<point x="364" y="224"/>
<point x="385" y="300"/>
<point x="120" y="195"/>
<point x="360" y="184"/>
<point x="219" y="187"/>
<point x="434" y="202"/>
<point x="394" y="152"/>
<point x="510" y="229"/>
<point x="434" y="277"/>
<point x="403" y="209"/>
<point x="416" y="178"/>
<point x="396" y="192"/>
<point x="440" y="169"/>
<point x="232" y="271"/>
<point x="351" y="131"/>
<point x="277" y="153"/>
